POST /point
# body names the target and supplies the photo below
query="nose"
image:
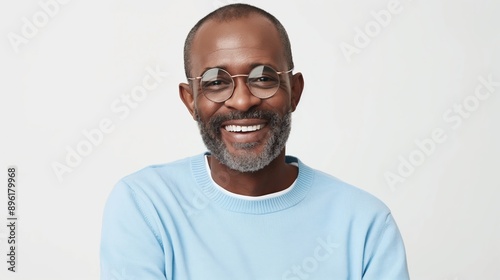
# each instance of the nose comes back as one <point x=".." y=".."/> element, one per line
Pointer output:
<point x="242" y="99"/>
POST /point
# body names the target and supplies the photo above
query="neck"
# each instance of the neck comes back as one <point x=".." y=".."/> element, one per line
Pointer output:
<point x="275" y="177"/>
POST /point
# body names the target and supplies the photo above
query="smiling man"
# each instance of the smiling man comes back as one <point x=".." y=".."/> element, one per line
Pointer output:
<point x="244" y="209"/>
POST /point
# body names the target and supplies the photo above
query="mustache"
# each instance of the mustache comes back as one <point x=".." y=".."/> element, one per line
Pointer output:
<point x="215" y="122"/>
<point x="238" y="115"/>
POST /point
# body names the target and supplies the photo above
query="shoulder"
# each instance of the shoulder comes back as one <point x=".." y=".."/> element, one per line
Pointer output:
<point x="174" y="167"/>
<point x="154" y="191"/>
<point x="160" y="172"/>
<point x="159" y="180"/>
<point x="340" y="193"/>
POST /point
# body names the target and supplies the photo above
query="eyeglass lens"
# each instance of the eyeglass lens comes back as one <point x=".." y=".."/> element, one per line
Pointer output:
<point x="218" y="85"/>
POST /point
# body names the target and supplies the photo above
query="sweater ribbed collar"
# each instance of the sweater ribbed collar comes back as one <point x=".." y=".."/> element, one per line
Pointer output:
<point x="263" y="206"/>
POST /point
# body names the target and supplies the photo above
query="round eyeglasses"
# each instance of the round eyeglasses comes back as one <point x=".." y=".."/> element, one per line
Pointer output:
<point x="218" y="85"/>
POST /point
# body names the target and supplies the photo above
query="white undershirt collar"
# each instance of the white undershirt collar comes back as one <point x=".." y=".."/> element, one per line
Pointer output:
<point x="247" y="197"/>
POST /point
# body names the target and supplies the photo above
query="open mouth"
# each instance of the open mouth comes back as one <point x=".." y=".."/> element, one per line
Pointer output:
<point x="243" y="128"/>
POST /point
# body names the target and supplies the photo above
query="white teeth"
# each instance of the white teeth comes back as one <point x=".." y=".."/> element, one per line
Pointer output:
<point x="240" y="128"/>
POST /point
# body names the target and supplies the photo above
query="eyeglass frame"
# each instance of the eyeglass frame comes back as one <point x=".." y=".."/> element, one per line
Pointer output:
<point x="240" y="75"/>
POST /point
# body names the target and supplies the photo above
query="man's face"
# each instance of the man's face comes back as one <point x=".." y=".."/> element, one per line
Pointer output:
<point x="245" y="133"/>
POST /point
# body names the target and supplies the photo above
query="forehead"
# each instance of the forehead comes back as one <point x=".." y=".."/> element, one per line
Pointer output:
<point x="237" y="45"/>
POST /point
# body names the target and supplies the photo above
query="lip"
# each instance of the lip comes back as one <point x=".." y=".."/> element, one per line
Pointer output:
<point x="244" y="122"/>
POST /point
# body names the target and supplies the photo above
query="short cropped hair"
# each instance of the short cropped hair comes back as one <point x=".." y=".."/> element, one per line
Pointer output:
<point x="233" y="12"/>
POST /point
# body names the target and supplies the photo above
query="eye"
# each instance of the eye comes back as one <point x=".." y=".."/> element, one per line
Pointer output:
<point x="264" y="81"/>
<point x="216" y="84"/>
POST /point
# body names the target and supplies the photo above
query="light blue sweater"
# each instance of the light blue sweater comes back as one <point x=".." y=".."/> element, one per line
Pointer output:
<point x="172" y="222"/>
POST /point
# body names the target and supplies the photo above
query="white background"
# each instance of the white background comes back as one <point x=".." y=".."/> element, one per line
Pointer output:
<point x="359" y="115"/>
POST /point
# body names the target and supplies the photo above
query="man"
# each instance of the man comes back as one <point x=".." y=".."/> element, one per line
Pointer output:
<point x="244" y="210"/>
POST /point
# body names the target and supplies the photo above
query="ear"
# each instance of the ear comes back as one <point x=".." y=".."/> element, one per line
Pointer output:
<point x="187" y="97"/>
<point x="297" y="87"/>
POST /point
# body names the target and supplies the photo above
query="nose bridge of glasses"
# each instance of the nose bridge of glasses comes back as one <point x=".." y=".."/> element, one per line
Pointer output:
<point x="242" y="98"/>
<point x="240" y="75"/>
<point x="234" y="78"/>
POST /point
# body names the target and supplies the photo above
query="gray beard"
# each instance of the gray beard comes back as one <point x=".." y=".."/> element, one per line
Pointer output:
<point x="248" y="161"/>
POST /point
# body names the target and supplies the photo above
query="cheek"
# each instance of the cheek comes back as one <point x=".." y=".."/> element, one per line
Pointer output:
<point x="205" y="108"/>
<point x="280" y="102"/>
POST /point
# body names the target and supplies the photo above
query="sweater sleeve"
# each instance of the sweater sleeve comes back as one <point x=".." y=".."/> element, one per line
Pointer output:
<point x="387" y="259"/>
<point x="130" y="246"/>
